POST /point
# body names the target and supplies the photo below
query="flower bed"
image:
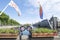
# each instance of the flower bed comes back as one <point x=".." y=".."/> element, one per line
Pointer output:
<point x="43" y="32"/>
<point x="8" y="33"/>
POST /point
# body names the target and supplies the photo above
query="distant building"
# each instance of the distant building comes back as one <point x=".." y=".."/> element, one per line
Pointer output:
<point x="54" y="22"/>
<point x="42" y="24"/>
<point x="58" y="24"/>
<point x="45" y="24"/>
<point x="58" y="27"/>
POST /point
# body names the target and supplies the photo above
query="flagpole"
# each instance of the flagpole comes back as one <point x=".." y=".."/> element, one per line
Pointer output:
<point x="4" y="8"/>
<point x="48" y="20"/>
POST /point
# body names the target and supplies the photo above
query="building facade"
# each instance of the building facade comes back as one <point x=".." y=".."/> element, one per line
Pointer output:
<point x="54" y="22"/>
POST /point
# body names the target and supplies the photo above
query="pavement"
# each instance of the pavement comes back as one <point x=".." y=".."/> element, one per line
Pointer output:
<point x="18" y="38"/>
<point x="55" y="38"/>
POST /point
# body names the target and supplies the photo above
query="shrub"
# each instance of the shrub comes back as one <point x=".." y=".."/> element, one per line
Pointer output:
<point x="8" y="31"/>
<point x="43" y="30"/>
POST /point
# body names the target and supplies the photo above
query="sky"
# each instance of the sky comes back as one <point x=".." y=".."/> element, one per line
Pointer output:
<point x="30" y="10"/>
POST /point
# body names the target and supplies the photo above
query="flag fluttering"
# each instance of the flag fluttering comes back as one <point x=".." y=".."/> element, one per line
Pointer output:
<point x="13" y="4"/>
<point x="41" y="12"/>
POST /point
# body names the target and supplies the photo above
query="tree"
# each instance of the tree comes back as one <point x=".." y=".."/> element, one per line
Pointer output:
<point x="13" y="22"/>
<point x="27" y="25"/>
<point x="5" y="20"/>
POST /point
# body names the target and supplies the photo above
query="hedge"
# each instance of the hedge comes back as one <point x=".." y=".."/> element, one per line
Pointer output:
<point x="43" y="30"/>
<point x="8" y="31"/>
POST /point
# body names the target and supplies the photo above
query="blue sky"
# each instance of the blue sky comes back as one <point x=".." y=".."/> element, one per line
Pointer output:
<point x="30" y="10"/>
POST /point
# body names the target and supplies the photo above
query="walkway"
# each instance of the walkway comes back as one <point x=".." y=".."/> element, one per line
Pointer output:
<point x="55" y="38"/>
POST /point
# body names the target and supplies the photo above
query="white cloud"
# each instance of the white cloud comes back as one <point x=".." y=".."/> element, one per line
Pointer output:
<point x="36" y="3"/>
<point x="32" y="11"/>
<point x="29" y="22"/>
<point x="50" y="7"/>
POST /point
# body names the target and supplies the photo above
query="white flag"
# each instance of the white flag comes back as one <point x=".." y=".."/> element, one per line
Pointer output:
<point x="12" y="4"/>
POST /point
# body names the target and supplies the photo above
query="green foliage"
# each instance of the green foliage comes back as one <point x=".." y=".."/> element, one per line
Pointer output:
<point x="43" y="30"/>
<point x="12" y="31"/>
<point x="26" y="25"/>
<point x="2" y="31"/>
<point x="13" y="22"/>
<point x="5" y="20"/>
